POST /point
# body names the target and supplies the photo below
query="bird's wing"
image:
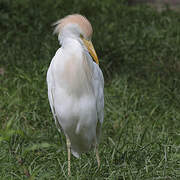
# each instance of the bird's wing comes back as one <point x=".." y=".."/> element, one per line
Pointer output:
<point x="51" y="88"/>
<point x="99" y="94"/>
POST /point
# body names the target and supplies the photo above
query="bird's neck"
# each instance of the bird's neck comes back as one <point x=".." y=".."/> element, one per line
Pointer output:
<point x="77" y="68"/>
<point x="69" y="42"/>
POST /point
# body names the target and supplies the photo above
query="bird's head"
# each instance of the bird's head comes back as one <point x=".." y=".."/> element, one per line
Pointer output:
<point x="77" y="26"/>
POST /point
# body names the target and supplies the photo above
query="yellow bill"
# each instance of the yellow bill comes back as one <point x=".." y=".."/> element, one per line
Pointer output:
<point x="91" y="50"/>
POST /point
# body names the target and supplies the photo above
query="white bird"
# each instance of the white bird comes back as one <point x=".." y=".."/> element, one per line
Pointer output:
<point x="75" y="86"/>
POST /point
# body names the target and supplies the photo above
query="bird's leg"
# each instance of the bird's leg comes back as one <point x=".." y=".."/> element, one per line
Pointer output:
<point x="97" y="156"/>
<point x="69" y="155"/>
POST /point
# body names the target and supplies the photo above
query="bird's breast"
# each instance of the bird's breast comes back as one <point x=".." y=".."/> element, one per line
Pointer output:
<point x="73" y="72"/>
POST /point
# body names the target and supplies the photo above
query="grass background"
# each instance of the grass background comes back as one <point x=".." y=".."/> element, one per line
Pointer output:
<point x="139" y="52"/>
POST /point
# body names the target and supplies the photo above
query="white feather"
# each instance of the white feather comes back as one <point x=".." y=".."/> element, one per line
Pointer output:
<point x="75" y="92"/>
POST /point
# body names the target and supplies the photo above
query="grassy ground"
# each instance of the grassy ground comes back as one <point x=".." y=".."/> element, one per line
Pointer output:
<point x="139" y="51"/>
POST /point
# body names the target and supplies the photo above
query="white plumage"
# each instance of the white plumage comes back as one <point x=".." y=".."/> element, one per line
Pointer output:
<point x="75" y="85"/>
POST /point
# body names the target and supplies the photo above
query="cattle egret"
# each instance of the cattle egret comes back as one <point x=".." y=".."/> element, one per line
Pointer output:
<point x="75" y="86"/>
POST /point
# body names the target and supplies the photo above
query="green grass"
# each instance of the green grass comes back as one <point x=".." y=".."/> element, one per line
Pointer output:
<point x="139" y="52"/>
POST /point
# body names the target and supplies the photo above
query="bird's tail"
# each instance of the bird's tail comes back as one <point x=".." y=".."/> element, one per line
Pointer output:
<point x="75" y="153"/>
